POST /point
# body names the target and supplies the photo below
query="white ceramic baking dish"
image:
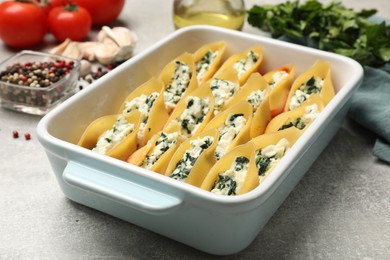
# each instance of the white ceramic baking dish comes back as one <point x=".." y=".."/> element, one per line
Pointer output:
<point x="211" y="223"/>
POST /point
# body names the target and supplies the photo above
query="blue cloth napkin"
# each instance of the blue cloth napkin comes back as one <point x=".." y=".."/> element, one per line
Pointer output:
<point x="371" y="104"/>
<point x="371" y="108"/>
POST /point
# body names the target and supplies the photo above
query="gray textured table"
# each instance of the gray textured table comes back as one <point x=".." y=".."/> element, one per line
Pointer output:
<point x="340" y="209"/>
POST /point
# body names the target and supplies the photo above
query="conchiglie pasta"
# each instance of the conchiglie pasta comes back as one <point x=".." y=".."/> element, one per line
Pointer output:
<point x="179" y="78"/>
<point x="223" y="87"/>
<point x="112" y="135"/>
<point x="280" y="81"/>
<point x="261" y="118"/>
<point x="316" y="80"/>
<point x="233" y="126"/>
<point x="243" y="63"/>
<point x="155" y="155"/>
<point x="194" y="158"/>
<point x="253" y="91"/>
<point x="208" y="59"/>
<point x="300" y="117"/>
<point x="271" y="148"/>
<point x="149" y="100"/>
<point x="233" y="174"/>
<point x="192" y="113"/>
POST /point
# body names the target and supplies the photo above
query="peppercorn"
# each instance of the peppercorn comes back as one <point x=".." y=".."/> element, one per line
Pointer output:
<point x="35" y="78"/>
<point x="27" y="136"/>
<point x="15" y="134"/>
<point x="19" y="73"/>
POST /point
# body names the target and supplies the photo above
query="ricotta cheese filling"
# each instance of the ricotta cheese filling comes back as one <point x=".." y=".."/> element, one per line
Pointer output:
<point x="178" y="85"/>
<point x="269" y="156"/>
<point x="222" y="90"/>
<point x="311" y="113"/>
<point x="277" y="78"/>
<point x="143" y="104"/>
<point x="228" y="131"/>
<point x="255" y="98"/>
<point x="312" y="86"/>
<point x="163" y="143"/>
<point x="245" y="64"/>
<point x="204" y="64"/>
<point x="184" y="165"/>
<point x="113" y="136"/>
<point x="231" y="181"/>
<point x="193" y="115"/>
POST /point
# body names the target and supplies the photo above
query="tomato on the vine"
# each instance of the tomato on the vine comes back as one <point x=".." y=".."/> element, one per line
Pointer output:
<point x="69" y="21"/>
<point x="102" y="11"/>
<point x="22" y="24"/>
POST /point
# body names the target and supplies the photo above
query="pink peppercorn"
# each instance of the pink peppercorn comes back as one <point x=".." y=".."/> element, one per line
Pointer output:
<point x="27" y="136"/>
<point x="15" y="134"/>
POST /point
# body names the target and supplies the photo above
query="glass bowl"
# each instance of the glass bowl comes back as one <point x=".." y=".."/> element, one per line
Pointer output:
<point x="35" y="82"/>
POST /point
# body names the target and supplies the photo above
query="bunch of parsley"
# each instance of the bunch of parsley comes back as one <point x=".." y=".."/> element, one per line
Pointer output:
<point x="331" y="27"/>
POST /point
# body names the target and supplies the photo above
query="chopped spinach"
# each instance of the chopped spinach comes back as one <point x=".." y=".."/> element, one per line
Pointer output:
<point x="223" y="182"/>
<point x="240" y="163"/>
<point x="263" y="163"/>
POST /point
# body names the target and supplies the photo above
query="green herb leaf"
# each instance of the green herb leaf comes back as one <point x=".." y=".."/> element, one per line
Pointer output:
<point x="331" y="27"/>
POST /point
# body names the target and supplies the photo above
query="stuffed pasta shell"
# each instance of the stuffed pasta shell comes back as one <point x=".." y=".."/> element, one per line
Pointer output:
<point x="223" y="88"/>
<point x="233" y="174"/>
<point x="279" y="81"/>
<point x="208" y="59"/>
<point x="194" y="158"/>
<point x="179" y="77"/>
<point x="149" y="100"/>
<point x="271" y="148"/>
<point x="155" y="155"/>
<point x="316" y="80"/>
<point x="233" y="127"/>
<point x="244" y="63"/>
<point x="193" y="113"/>
<point x="299" y="118"/>
<point x="112" y="135"/>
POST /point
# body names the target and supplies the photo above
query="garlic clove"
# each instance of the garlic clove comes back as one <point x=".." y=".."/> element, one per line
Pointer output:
<point x="124" y="36"/>
<point x="85" y="67"/>
<point x="88" y="50"/>
<point x="105" y="52"/>
<point x="124" y="53"/>
<point x="59" y="49"/>
<point x="72" y="51"/>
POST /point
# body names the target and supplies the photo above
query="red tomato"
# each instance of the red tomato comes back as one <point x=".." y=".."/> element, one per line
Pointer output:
<point x="102" y="11"/>
<point x="70" y="21"/>
<point x="47" y="5"/>
<point x="22" y="24"/>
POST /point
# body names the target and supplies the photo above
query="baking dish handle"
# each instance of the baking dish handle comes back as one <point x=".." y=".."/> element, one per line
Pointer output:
<point x="118" y="189"/>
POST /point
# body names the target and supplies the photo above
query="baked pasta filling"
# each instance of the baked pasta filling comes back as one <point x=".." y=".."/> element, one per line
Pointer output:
<point x="228" y="131"/>
<point x="311" y="113"/>
<point x="245" y="64"/>
<point x="204" y="64"/>
<point x="113" y="136"/>
<point x="193" y="115"/>
<point x="269" y="156"/>
<point x="255" y="98"/>
<point x="179" y="84"/>
<point x="222" y="90"/>
<point x="277" y="77"/>
<point x="163" y="143"/>
<point x="312" y="86"/>
<point x="231" y="181"/>
<point x="184" y="165"/>
<point x="144" y="104"/>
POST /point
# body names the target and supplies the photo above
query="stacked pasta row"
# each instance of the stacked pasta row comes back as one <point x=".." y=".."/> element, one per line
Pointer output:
<point x="216" y="124"/>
